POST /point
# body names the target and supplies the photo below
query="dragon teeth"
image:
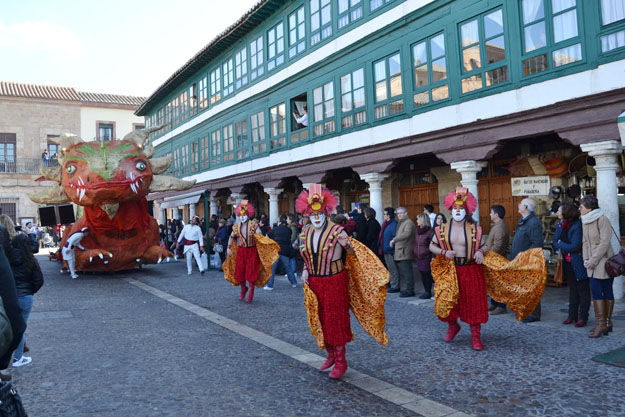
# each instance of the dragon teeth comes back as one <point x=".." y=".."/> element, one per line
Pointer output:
<point x="77" y="192"/>
<point x="82" y="194"/>
<point x="132" y="185"/>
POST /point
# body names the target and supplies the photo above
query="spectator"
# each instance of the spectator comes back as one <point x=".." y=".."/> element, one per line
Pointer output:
<point x="568" y="240"/>
<point x="528" y="235"/>
<point x="403" y="242"/>
<point x="221" y="237"/>
<point x="28" y="280"/>
<point x="45" y="158"/>
<point x="373" y="230"/>
<point x="214" y="223"/>
<point x="282" y="235"/>
<point x="361" y="221"/>
<point x="596" y="248"/>
<point x="421" y="250"/>
<point x="498" y="241"/>
<point x="429" y="210"/>
<point x="389" y="228"/>
<point x="350" y="225"/>
<point x="263" y="224"/>
<point x="10" y="226"/>
<point x="291" y="222"/>
<point x="439" y="220"/>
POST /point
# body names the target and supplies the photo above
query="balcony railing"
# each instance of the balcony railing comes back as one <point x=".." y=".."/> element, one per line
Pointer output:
<point x="25" y="165"/>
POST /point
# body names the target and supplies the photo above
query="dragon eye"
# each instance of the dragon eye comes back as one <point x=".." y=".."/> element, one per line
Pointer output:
<point x="70" y="169"/>
<point x="141" y="166"/>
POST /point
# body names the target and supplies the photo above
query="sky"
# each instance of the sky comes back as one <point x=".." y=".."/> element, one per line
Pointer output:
<point x="127" y="47"/>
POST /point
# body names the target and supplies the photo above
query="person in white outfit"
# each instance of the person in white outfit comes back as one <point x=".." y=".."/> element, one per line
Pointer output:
<point x="68" y="249"/>
<point x="192" y="239"/>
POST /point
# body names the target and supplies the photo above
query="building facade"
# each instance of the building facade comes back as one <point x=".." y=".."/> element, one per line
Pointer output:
<point x="404" y="101"/>
<point x="31" y="116"/>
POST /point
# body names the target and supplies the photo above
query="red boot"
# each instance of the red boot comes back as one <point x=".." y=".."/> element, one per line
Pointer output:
<point x="250" y="294"/>
<point x="330" y="360"/>
<point x="340" y="366"/>
<point x="243" y="290"/>
<point x="475" y="337"/>
<point x="453" y="330"/>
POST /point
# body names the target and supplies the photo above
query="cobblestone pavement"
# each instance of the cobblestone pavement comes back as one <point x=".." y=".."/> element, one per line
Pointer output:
<point x="102" y="346"/>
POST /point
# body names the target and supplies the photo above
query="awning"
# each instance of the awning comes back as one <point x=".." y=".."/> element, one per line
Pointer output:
<point x="180" y="202"/>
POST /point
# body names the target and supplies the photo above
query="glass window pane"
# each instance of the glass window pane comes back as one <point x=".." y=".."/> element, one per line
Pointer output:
<point x="440" y="93"/>
<point x="533" y="10"/>
<point x="559" y="5"/>
<point x="380" y="71"/>
<point x="318" y="112"/>
<point x="419" y="54"/>
<point x="471" y="58"/>
<point x="437" y="46"/>
<point x="346" y="102"/>
<point x="439" y="70"/>
<point x="358" y="78"/>
<point x="493" y="23"/>
<point x="380" y="91"/>
<point x="565" y="26"/>
<point x="346" y="83"/>
<point x="470" y="33"/>
<point x="421" y="98"/>
<point x="343" y="5"/>
<point x="421" y="76"/>
<point x="359" y="97"/>
<point x="612" y="11"/>
<point x="317" y="95"/>
<point x="328" y="91"/>
<point x="329" y="109"/>
<point x="472" y="83"/>
<point x="495" y="50"/>
<point x="394" y="66"/>
<point x="535" y="36"/>
<point x="567" y="55"/>
<point x="396" y="86"/>
<point x="613" y="41"/>
<point x="496" y="76"/>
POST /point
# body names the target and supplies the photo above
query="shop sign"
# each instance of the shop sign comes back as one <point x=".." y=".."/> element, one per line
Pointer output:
<point x="528" y="186"/>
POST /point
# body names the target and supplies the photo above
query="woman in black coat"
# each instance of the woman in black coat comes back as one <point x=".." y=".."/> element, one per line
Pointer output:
<point x="28" y="280"/>
<point x="373" y="231"/>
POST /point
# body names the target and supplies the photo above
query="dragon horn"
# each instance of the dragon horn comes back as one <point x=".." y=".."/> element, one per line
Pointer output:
<point x="166" y="183"/>
<point x="141" y="135"/>
<point x="51" y="173"/>
<point x="67" y="140"/>
<point x="160" y="165"/>
<point x="55" y="195"/>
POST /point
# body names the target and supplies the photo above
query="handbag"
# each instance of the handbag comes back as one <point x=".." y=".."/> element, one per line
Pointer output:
<point x="558" y="276"/>
<point x="615" y="265"/>
<point x="218" y="248"/>
<point x="10" y="401"/>
<point x="6" y="331"/>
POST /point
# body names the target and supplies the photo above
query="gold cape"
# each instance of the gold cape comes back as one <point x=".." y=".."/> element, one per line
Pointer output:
<point x="367" y="293"/>
<point x="267" y="252"/>
<point x="519" y="283"/>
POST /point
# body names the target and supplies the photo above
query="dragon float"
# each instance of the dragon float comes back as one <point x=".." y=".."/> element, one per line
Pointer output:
<point x="110" y="180"/>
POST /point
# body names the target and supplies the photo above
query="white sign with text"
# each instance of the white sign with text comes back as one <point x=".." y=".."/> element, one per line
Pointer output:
<point x="529" y="186"/>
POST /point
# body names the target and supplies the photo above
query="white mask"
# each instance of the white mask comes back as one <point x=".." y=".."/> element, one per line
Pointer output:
<point x="243" y="219"/>
<point x="318" y="220"/>
<point x="458" y="214"/>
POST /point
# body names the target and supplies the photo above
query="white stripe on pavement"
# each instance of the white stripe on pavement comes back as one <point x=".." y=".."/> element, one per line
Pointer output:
<point x="377" y="387"/>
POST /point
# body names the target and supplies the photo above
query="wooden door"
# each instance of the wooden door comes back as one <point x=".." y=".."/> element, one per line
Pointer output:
<point x="493" y="191"/>
<point x="283" y="206"/>
<point x="413" y="198"/>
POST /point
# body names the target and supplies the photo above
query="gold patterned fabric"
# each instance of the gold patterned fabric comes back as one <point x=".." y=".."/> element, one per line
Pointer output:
<point x="267" y="252"/>
<point x="519" y="283"/>
<point x="367" y="293"/>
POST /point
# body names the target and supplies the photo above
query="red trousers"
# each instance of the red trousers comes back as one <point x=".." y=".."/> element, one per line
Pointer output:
<point x="333" y="297"/>
<point x="472" y="307"/>
<point x="248" y="264"/>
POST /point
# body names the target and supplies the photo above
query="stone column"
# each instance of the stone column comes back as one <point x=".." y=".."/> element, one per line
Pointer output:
<point x="237" y="197"/>
<point x="374" y="180"/>
<point x="468" y="170"/>
<point x="605" y="154"/>
<point x="176" y="214"/>
<point x="162" y="215"/>
<point x="273" y="204"/>
<point x="191" y="211"/>
<point x="213" y="204"/>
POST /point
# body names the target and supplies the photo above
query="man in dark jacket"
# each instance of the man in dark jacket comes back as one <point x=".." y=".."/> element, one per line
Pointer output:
<point x="528" y="235"/>
<point x="281" y="234"/>
<point x="373" y="230"/>
<point x="361" y="221"/>
<point x="389" y="228"/>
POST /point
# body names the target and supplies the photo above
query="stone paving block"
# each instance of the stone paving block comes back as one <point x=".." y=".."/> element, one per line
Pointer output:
<point x="399" y="396"/>
<point x="352" y="374"/>
<point x="460" y="414"/>
<point x="428" y="408"/>
<point x="371" y="384"/>
<point x="47" y="315"/>
<point x="308" y="358"/>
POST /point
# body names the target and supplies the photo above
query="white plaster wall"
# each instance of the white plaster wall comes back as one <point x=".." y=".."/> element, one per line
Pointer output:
<point x="123" y="121"/>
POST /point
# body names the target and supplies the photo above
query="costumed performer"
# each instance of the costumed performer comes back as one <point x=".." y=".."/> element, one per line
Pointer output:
<point x="68" y="249"/>
<point x="251" y="257"/>
<point x="193" y="241"/>
<point x="339" y="273"/>
<point x="463" y="274"/>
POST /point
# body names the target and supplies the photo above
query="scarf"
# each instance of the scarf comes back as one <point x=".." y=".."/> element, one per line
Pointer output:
<point x="592" y="216"/>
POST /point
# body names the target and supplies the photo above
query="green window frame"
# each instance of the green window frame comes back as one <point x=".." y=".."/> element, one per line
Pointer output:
<point x="483" y="51"/>
<point x="175" y="112"/>
<point x="215" y="148"/>
<point x="205" y="150"/>
<point x="387" y="77"/>
<point x="242" y="140"/>
<point x="320" y="20"/>
<point x="195" y="155"/>
<point x="550" y="34"/>
<point x="297" y="32"/>
<point x="215" y="92"/>
<point x="192" y="99"/>
<point x="168" y="116"/>
<point x="175" y="164"/>
<point x="348" y="11"/>
<point x="183" y="101"/>
<point x="376" y="4"/>
<point x="353" y="99"/>
<point x="323" y="110"/>
<point x="240" y="66"/>
<point x="275" y="46"/>
<point x="228" y="143"/>
<point x="277" y="124"/>
<point x="257" y="68"/>
<point x="203" y="93"/>
<point x="258" y="135"/>
<point x="429" y="65"/>
<point x="612" y="33"/>
<point x="228" y="77"/>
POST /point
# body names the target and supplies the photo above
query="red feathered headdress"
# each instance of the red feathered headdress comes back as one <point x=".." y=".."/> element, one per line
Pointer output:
<point x="462" y="198"/>
<point x="245" y="208"/>
<point x="316" y="200"/>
